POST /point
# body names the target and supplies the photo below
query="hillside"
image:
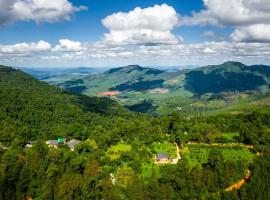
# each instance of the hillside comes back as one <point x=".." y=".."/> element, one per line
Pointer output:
<point x="30" y="108"/>
<point x="130" y="78"/>
<point x="151" y="90"/>
<point x="228" y="77"/>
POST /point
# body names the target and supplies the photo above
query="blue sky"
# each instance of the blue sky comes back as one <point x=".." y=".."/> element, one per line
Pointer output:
<point x="69" y="33"/>
<point x="86" y="26"/>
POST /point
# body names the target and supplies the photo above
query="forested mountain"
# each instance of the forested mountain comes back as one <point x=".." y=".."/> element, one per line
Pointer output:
<point x="30" y="107"/>
<point x="160" y="92"/>
<point x="117" y="157"/>
<point x="227" y="77"/>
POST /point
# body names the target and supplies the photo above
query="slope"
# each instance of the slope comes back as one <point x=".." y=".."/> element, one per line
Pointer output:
<point x="30" y="109"/>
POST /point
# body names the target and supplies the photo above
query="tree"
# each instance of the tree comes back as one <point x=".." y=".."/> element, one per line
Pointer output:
<point x="69" y="187"/>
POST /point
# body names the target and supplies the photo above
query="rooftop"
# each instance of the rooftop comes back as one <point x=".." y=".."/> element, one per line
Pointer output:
<point x="162" y="155"/>
<point x="73" y="142"/>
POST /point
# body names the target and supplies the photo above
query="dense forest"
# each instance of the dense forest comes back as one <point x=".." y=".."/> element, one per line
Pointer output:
<point x="115" y="159"/>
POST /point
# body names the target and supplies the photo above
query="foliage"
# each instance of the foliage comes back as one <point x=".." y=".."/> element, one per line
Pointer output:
<point x="33" y="111"/>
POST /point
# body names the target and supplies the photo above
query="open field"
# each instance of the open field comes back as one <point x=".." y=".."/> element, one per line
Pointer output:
<point x="114" y="152"/>
<point x="198" y="154"/>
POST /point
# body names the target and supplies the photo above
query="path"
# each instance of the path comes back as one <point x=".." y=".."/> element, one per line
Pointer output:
<point x="178" y="157"/>
<point x="224" y="144"/>
<point x="239" y="184"/>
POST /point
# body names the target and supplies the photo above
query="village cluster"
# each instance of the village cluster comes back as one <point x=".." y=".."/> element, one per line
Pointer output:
<point x="60" y="141"/>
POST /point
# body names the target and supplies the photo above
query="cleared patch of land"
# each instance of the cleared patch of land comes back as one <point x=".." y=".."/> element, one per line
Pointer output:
<point x="198" y="154"/>
<point x="160" y="90"/>
<point x="114" y="152"/>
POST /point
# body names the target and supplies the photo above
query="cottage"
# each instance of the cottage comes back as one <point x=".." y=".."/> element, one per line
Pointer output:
<point x="52" y="143"/>
<point x="72" y="143"/>
<point x="55" y="143"/>
<point x="163" y="158"/>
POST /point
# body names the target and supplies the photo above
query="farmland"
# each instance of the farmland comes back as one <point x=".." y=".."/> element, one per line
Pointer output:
<point x="198" y="154"/>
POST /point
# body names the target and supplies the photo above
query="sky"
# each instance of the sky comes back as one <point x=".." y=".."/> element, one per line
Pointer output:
<point x="108" y="33"/>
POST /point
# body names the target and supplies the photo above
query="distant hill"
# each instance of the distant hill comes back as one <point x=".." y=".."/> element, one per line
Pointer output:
<point x="56" y="75"/>
<point x="165" y="91"/>
<point x="228" y="77"/>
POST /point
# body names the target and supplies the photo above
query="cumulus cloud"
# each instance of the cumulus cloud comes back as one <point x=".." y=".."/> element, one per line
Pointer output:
<point x="36" y="10"/>
<point x="43" y="53"/>
<point x="250" y="18"/>
<point x="233" y="13"/>
<point x="68" y="45"/>
<point x="25" y="47"/>
<point x="149" y="26"/>
<point x="258" y="32"/>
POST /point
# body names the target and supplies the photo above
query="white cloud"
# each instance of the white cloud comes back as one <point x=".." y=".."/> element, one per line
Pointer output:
<point x="150" y="26"/>
<point x="209" y="34"/>
<point x="68" y="45"/>
<point x="25" y="47"/>
<point x="42" y="53"/>
<point x="36" y="10"/>
<point x="208" y="50"/>
<point x="258" y="32"/>
<point x="251" y="18"/>
<point x="232" y="13"/>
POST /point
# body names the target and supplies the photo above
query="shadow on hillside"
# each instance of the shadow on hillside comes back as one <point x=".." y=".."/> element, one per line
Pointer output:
<point x="216" y="82"/>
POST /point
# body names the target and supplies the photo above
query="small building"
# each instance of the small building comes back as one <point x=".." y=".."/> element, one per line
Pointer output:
<point x="163" y="158"/>
<point x="72" y="143"/>
<point x="52" y="143"/>
<point x="55" y="143"/>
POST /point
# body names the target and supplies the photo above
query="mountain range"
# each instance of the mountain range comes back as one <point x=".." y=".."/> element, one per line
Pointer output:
<point x="205" y="89"/>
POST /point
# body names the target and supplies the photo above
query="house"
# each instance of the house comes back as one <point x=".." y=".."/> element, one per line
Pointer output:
<point x="55" y="143"/>
<point x="72" y="143"/>
<point x="52" y="143"/>
<point x="163" y="158"/>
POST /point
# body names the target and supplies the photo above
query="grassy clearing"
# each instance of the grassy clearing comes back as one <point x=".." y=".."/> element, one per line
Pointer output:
<point x="165" y="147"/>
<point x="198" y="154"/>
<point x="114" y="152"/>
